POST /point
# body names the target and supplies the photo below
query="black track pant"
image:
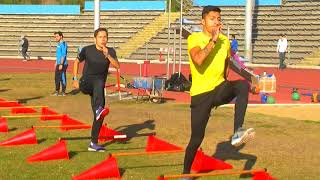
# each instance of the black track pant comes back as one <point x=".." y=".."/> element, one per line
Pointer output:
<point x="282" y="57"/>
<point x="94" y="86"/>
<point x="24" y="53"/>
<point x="201" y="106"/>
<point x="60" y="77"/>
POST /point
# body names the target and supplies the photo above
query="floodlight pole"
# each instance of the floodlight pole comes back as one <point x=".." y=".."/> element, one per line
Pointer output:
<point x="168" y="52"/>
<point x="180" y="36"/>
<point x="174" y="51"/>
<point x="248" y="30"/>
<point x="96" y="14"/>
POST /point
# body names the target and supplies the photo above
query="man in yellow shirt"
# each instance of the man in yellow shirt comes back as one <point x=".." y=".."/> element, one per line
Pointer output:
<point x="209" y="53"/>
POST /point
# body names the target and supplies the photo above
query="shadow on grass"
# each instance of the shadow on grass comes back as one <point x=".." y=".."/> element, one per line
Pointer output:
<point x="107" y="150"/>
<point x="133" y="129"/>
<point x="122" y="171"/>
<point x="41" y="140"/>
<point x="72" y="154"/>
<point x="225" y="151"/>
<point x="153" y="166"/>
<point x="12" y="129"/>
<point x="4" y="90"/>
<point x="5" y="79"/>
<point x="74" y="92"/>
<point x="25" y="100"/>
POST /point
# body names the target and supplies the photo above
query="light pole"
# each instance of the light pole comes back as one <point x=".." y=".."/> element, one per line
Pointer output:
<point x="169" y="26"/>
<point x="96" y="14"/>
<point x="248" y="30"/>
<point x="180" y="36"/>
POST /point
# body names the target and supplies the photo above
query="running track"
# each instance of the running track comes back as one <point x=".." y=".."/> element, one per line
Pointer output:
<point x="306" y="80"/>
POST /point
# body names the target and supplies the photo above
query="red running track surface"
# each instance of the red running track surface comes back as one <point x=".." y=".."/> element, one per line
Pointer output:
<point x="306" y="80"/>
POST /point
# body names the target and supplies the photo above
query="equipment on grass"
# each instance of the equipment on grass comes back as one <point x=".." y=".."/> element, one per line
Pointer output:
<point x="218" y="173"/>
<point x="295" y="96"/>
<point x="271" y="100"/>
<point x="178" y="82"/>
<point x="264" y="98"/>
<point x="127" y="84"/>
<point x="315" y="97"/>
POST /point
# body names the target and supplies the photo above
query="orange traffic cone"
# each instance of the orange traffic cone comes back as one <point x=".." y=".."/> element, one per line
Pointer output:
<point x="66" y="120"/>
<point x="145" y="70"/>
<point x="22" y="110"/>
<point x="3" y="124"/>
<point x="47" y="111"/>
<point x="9" y="104"/>
<point x="27" y="137"/>
<point x="55" y="152"/>
<point x="162" y="178"/>
<point x="202" y="163"/>
<point x="106" y="134"/>
<point x="155" y="144"/>
<point x="106" y="169"/>
<point x="161" y="57"/>
<point x="262" y="176"/>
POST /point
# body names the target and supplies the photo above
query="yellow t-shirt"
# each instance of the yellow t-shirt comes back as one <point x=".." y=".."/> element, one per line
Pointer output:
<point x="211" y="73"/>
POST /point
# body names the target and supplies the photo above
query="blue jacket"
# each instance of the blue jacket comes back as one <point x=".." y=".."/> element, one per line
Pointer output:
<point x="61" y="52"/>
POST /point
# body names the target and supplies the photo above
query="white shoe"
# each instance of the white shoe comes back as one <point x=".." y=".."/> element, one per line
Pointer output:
<point x="242" y="136"/>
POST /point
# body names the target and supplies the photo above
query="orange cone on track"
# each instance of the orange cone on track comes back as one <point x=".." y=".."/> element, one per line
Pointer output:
<point x="27" y="137"/>
<point x="204" y="163"/>
<point x="162" y="178"/>
<point x="155" y="144"/>
<point x="22" y="110"/>
<point x="106" y="169"/>
<point x="47" y="111"/>
<point x="262" y="176"/>
<point x="67" y="121"/>
<point x="3" y="125"/>
<point x="9" y="104"/>
<point x="107" y="133"/>
<point x="55" y="152"/>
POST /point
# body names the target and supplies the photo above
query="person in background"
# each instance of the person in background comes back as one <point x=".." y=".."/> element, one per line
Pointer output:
<point x="281" y="50"/>
<point x="24" y="45"/>
<point x="61" y="64"/>
<point x="234" y="44"/>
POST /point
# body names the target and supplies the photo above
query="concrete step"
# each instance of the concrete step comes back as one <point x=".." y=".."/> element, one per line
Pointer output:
<point x="311" y="61"/>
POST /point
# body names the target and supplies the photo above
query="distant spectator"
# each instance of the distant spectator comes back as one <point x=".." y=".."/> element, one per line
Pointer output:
<point x="61" y="64"/>
<point x="24" y="44"/>
<point x="234" y="44"/>
<point x="282" y="49"/>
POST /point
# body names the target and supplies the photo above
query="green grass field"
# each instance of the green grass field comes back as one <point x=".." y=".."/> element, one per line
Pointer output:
<point x="287" y="147"/>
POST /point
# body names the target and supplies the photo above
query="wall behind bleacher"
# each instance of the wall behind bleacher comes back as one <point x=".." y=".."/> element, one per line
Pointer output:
<point x="235" y="2"/>
<point x="39" y="9"/>
<point x="127" y="5"/>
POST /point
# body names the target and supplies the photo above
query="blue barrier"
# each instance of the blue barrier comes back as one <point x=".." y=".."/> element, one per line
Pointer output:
<point x="235" y="2"/>
<point x="40" y="9"/>
<point x="127" y="5"/>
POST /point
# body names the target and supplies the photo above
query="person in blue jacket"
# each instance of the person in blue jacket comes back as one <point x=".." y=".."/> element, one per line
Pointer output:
<point x="234" y="44"/>
<point x="61" y="64"/>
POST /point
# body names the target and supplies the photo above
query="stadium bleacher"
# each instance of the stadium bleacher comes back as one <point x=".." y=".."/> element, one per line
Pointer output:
<point x="299" y="20"/>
